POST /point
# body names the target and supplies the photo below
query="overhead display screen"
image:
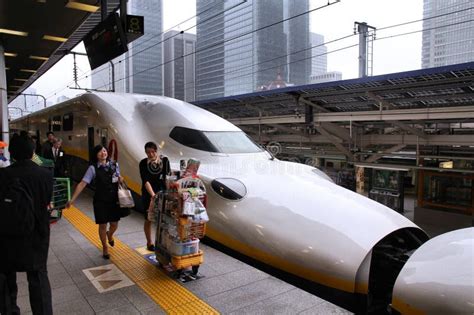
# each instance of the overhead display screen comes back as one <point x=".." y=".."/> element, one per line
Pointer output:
<point x="106" y="41"/>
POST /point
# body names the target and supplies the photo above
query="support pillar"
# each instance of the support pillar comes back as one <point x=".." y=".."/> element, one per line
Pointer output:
<point x="3" y="101"/>
<point x="365" y="52"/>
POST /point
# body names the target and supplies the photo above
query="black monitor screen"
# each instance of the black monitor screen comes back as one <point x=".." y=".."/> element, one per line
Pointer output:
<point x="106" y="41"/>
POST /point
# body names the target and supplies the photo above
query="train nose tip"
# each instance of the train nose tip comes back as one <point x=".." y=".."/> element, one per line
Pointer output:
<point x="229" y="188"/>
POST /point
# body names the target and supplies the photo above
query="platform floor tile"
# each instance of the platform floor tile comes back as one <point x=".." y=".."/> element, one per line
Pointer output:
<point x="166" y="292"/>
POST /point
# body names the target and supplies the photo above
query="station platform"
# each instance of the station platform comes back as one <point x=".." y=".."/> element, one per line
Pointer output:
<point x="85" y="283"/>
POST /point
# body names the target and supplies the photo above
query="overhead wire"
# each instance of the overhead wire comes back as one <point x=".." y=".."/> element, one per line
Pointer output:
<point x="144" y="42"/>
<point x="129" y="56"/>
<point x="423" y="30"/>
<point x="227" y="40"/>
<point x="292" y="62"/>
<point x="238" y="69"/>
<point x="266" y="61"/>
<point x="422" y="20"/>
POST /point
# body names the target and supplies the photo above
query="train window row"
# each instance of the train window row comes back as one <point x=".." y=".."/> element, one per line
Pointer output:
<point x="66" y="121"/>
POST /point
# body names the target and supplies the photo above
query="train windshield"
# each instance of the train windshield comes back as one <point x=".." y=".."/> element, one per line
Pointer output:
<point x="215" y="141"/>
<point x="232" y="142"/>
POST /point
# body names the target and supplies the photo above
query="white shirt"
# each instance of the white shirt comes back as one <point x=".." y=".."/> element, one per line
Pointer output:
<point x="55" y="152"/>
<point x="4" y="162"/>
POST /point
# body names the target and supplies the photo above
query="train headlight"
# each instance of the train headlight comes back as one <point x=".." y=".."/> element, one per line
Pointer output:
<point x="229" y="188"/>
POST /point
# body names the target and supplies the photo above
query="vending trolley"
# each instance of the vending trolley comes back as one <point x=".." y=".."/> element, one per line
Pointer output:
<point x="180" y="214"/>
<point x="61" y="195"/>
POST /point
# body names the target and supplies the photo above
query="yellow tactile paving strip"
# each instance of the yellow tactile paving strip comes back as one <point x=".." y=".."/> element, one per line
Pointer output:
<point x="170" y="295"/>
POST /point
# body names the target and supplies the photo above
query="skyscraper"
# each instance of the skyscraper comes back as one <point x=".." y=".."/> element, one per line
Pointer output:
<point x="299" y="41"/>
<point x="133" y="74"/>
<point x="319" y="59"/>
<point x="178" y="51"/>
<point x="442" y="44"/>
<point x="237" y="51"/>
<point x="209" y="49"/>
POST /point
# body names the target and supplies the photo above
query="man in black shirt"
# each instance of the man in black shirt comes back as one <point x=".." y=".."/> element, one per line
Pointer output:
<point x="153" y="171"/>
<point x="28" y="253"/>
<point x="48" y="144"/>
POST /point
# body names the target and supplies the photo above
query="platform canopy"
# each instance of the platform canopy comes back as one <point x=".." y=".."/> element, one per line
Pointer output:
<point x="36" y="34"/>
<point x="389" y="113"/>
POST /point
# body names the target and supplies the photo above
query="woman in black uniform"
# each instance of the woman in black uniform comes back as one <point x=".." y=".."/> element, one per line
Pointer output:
<point x="153" y="171"/>
<point x="106" y="174"/>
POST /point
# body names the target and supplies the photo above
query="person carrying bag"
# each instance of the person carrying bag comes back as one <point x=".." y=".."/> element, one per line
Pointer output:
<point x="125" y="199"/>
<point x="107" y="210"/>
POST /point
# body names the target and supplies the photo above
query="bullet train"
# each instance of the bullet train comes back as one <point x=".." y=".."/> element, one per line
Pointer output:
<point x="439" y="277"/>
<point x="289" y="216"/>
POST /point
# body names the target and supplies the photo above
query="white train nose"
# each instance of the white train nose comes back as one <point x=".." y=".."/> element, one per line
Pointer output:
<point x="289" y="211"/>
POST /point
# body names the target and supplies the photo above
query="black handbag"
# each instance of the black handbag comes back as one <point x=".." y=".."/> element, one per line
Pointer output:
<point x="124" y="212"/>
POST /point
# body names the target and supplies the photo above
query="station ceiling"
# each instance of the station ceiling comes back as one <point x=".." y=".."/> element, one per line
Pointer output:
<point x="432" y="107"/>
<point x="36" y="34"/>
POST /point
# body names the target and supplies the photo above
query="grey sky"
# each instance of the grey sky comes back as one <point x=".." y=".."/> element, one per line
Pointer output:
<point x="390" y="55"/>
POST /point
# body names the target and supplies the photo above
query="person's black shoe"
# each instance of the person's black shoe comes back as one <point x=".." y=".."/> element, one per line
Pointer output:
<point x="151" y="247"/>
<point x="106" y="256"/>
<point x="111" y="241"/>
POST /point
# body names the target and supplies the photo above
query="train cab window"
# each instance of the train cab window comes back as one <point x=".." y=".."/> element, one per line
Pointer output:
<point x="232" y="142"/>
<point x="192" y="138"/>
<point x="215" y="141"/>
<point x="68" y="122"/>
<point x="55" y="123"/>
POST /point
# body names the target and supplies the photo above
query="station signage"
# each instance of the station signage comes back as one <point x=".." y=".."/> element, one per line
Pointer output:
<point x="135" y="27"/>
<point x="106" y="41"/>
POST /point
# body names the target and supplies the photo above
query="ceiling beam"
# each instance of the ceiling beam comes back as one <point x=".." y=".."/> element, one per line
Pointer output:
<point x="409" y="129"/>
<point x="289" y="130"/>
<point x="334" y="141"/>
<point x="314" y="105"/>
<point x="268" y="120"/>
<point x="250" y="130"/>
<point x="338" y="131"/>
<point x="459" y="112"/>
<point x="288" y="138"/>
<point x="255" y="108"/>
<point x="332" y="96"/>
<point x="395" y="148"/>
<point x="366" y="140"/>
<point x="379" y="100"/>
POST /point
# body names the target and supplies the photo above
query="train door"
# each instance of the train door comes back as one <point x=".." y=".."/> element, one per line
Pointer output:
<point x="104" y="137"/>
<point x="90" y="141"/>
<point x="108" y="143"/>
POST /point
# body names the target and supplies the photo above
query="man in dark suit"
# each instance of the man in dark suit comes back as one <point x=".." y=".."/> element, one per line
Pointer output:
<point x="57" y="155"/>
<point x="48" y="144"/>
<point x="29" y="252"/>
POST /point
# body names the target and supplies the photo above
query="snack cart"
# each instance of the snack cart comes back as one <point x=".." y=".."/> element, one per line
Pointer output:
<point x="180" y="214"/>
<point x="61" y="195"/>
<point x="61" y="190"/>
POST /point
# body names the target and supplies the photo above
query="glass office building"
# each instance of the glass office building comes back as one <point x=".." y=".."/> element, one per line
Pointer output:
<point x="447" y="39"/>
<point x="319" y="58"/>
<point x="179" y="59"/>
<point x="299" y="41"/>
<point x="239" y="52"/>
<point x="209" y="49"/>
